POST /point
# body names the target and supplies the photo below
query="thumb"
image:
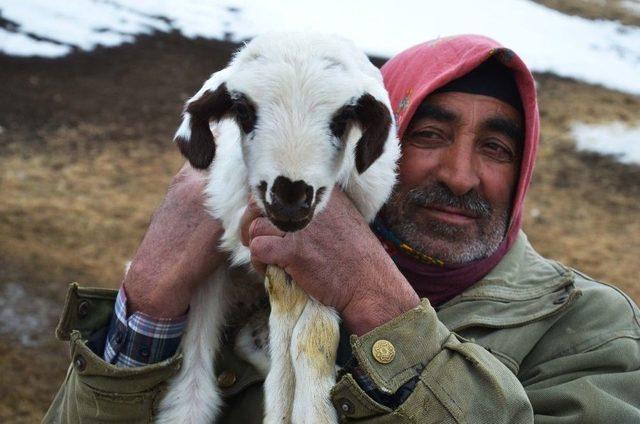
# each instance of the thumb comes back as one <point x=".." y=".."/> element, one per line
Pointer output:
<point x="269" y="250"/>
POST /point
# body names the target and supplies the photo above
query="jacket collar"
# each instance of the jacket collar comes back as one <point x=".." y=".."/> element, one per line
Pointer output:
<point x="522" y="288"/>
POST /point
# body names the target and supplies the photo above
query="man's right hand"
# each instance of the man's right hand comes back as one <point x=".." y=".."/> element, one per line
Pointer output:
<point x="179" y="251"/>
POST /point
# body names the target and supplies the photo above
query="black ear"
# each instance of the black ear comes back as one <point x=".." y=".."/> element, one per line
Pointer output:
<point x="194" y="137"/>
<point x="375" y="120"/>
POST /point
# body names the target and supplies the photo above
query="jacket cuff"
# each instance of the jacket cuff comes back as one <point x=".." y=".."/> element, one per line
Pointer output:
<point x="86" y="313"/>
<point x="397" y="351"/>
<point x="85" y="310"/>
<point x="92" y="370"/>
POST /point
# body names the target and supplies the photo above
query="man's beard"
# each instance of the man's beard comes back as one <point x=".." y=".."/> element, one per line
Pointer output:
<point x="453" y="244"/>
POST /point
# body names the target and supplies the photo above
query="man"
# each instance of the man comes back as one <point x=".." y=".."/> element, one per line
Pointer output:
<point x="514" y="337"/>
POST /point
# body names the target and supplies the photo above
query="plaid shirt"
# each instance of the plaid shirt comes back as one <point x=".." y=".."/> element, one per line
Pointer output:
<point x="140" y="339"/>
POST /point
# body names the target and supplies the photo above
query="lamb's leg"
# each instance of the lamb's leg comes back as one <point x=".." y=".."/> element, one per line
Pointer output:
<point x="287" y="302"/>
<point x="314" y="346"/>
<point x="193" y="396"/>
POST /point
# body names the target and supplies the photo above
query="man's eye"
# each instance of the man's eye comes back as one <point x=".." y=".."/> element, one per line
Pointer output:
<point x="427" y="138"/>
<point x="427" y="134"/>
<point x="498" y="151"/>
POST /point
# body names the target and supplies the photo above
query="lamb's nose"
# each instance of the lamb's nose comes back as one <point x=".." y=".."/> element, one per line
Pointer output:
<point x="291" y="200"/>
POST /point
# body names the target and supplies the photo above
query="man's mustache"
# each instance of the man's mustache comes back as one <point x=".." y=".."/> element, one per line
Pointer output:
<point x="438" y="194"/>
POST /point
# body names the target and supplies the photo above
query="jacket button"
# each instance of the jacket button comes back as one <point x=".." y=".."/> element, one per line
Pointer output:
<point x="119" y="337"/>
<point x="80" y="363"/>
<point x="346" y="406"/>
<point x="383" y="351"/>
<point x="226" y="379"/>
<point x="83" y="309"/>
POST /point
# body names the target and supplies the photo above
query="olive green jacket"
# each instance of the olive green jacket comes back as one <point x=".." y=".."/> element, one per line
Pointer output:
<point x="534" y="341"/>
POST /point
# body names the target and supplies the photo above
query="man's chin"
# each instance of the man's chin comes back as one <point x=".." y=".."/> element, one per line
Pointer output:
<point x="453" y="244"/>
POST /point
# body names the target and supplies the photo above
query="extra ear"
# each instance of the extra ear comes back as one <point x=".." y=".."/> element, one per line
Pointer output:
<point x="194" y="136"/>
<point x="375" y="120"/>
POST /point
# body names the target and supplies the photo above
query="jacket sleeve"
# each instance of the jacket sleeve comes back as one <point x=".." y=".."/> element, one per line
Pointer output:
<point x="455" y="381"/>
<point x="93" y="390"/>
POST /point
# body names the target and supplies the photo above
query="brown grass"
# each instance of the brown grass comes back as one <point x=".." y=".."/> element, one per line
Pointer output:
<point x="86" y="155"/>
<point x="588" y="210"/>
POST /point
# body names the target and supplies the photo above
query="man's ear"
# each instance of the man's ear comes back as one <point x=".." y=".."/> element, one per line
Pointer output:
<point x="194" y="136"/>
<point x="374" y="118"/>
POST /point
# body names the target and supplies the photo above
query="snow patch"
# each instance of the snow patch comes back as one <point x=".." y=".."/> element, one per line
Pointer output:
<point x="21" y="45"/>
<point x="616" y="139"/>
<point x="632" y="6"/>
<point x="79" y="24"/>
<point x="24" y="316"/>
<point x="599" y="52"/>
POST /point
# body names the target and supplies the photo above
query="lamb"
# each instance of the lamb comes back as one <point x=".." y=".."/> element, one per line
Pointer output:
<point x="289" y="118"/>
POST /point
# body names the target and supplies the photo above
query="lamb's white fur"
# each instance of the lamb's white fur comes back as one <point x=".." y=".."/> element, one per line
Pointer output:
<point x="297" y="81"/>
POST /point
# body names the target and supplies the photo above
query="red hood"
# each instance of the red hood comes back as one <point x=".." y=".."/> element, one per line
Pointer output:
<point x="418" y="71"/>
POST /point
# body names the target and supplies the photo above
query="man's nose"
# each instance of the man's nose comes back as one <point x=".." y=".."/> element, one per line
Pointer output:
<point x="457" y="167"/>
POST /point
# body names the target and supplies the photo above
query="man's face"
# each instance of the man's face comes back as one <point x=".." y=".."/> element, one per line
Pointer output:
<point x="458" y="172"/>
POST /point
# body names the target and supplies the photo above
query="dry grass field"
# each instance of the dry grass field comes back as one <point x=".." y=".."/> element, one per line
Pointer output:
<point x="86" y="154"/>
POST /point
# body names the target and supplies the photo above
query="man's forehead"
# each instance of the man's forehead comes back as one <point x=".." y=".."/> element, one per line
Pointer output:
<point x="451" y="106"/>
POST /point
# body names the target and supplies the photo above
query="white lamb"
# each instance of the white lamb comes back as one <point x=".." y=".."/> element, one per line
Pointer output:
<point x="293" y="115"/>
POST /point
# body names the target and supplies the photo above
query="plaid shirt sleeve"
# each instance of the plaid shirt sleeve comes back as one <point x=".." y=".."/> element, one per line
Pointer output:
<point x="140" y="339"/>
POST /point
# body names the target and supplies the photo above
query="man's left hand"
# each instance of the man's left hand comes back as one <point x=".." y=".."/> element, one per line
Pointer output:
<point x="337" y="260"/>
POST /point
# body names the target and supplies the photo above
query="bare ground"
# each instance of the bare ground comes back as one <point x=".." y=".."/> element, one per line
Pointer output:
<point x="86" y="154"/>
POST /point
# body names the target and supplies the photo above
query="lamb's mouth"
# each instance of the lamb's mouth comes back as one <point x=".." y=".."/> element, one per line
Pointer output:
<point x="285" y="217"/>
<point x="290" y="225"/>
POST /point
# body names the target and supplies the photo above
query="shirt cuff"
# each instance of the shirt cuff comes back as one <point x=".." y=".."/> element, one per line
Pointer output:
<point x="141" y="339"/>
<point x="391" y="401"/>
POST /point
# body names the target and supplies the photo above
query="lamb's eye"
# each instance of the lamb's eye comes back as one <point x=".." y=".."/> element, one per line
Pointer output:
<point x="245" y="114"/>
<point x="341" y="119"/>
<point x="242" y="111"/>
<point x="338" y="126"/>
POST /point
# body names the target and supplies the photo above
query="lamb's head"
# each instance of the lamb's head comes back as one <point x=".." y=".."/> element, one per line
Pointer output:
<point x="312" y="113"/>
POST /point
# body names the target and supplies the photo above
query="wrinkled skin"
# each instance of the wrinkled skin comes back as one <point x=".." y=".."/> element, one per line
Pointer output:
<point x="178" y="251"/>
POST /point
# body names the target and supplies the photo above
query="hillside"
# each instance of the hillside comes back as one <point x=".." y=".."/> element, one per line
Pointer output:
<point x="86" y="154"/>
